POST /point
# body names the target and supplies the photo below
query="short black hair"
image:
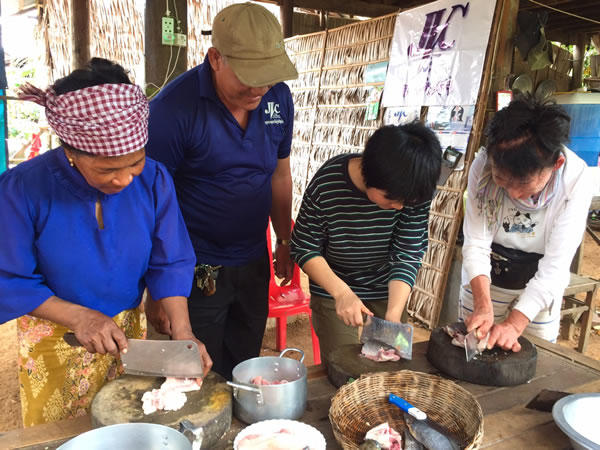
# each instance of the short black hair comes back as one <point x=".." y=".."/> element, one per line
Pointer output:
<point x="527" y="136"/>
<point x="403" y="161"/>
<point x="97" y="71"/>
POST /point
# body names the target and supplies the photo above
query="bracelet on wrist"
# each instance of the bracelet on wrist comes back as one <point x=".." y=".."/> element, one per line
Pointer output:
<point x="283" y="241"/>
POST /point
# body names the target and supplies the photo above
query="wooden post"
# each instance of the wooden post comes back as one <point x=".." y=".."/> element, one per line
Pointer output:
<point x="322" y="19"/>
<point x="163" y="62"/>
<point x="578" y="55"/>
<point x="80" y="37"/>
<point x="499" y="51"/>
<point x="287" y="17"/>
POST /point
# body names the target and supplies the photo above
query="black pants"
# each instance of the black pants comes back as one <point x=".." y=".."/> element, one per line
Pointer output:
<point x="231" y="322"/>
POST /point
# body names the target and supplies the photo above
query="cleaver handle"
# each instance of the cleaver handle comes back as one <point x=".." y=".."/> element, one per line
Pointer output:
<point x="70" y="339"/>
<point x="407" y="407"/>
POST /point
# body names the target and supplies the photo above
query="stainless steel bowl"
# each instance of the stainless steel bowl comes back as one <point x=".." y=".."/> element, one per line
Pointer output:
<point x="129" y="436"/>
<point x="577" y="416"/>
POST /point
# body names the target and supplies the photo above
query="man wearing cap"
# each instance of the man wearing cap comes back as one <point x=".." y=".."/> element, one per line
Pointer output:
<point x="224" y="129"/>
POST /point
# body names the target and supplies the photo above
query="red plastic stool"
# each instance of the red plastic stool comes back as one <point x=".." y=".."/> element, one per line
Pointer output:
<point x="287" y="301"/>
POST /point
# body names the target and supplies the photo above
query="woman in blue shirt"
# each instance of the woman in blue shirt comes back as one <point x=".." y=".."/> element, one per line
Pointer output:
<point x="85" y="228"/>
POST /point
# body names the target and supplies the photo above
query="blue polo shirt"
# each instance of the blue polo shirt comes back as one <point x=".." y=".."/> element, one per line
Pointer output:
<point x="222" y="172"/>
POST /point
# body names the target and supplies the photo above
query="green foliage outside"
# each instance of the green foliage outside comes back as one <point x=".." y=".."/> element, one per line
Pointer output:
<point x="24" y="118"/>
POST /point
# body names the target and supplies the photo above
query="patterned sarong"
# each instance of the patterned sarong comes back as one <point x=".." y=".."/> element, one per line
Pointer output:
<point x="57" y="381"/>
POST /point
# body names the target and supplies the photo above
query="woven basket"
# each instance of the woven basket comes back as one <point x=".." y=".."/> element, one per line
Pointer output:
<point x="363" y="404"/>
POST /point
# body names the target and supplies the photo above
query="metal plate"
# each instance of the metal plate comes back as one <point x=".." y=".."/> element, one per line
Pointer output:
<point x="523" y="83"/>
<point x="545" y="89"/>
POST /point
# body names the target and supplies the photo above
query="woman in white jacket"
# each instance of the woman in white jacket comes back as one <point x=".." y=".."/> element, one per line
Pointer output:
<point x="527" y="203"/>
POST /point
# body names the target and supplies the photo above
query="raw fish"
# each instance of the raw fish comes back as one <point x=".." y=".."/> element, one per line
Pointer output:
<point x="369" y="444"/>
<point x="379" y="352"/>
<point x="171" y="395"/>
<point x="260" y="381"/>
<point x="429" y="436"/>
<point x="410" y="443"/>
<point x="458" y="330"/>
<point x="277" y="440"/>
<point x="385" y="436"/>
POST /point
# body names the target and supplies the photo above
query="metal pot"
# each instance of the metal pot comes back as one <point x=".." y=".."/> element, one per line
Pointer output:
<point x="127" y="436"/>
<point x="253" y="403"/>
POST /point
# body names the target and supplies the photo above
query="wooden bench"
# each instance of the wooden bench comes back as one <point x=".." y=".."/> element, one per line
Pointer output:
<point x="577" y="309"/>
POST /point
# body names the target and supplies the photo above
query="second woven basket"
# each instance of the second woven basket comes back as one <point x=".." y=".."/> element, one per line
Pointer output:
<point x="363" y="404"/>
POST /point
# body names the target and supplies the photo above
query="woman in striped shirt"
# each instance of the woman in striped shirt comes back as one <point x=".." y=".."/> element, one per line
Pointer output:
<point x="361" y="231"/>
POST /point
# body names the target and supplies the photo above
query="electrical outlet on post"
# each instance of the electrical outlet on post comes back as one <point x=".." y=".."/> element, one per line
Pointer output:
<point x="168" y="31"/>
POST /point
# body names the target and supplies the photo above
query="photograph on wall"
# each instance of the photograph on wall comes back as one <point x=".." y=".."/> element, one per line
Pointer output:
<point x="374" y="73"/>
<point x="400" y="115"/>
<point x="452" y="125"/>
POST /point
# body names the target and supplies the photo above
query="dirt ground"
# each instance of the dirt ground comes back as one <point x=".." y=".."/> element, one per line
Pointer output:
<point x="298" y="336"/>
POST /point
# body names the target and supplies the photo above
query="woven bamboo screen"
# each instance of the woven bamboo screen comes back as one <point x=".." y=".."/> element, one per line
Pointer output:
<point x="330" y="94"/>
<point x="200" y="16"/>
<point x="56" y="32"/>
<point x="330" y="98"/>
<point x="116" y="33"/>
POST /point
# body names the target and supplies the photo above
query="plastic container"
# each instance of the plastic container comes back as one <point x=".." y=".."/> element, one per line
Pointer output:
<point x="585" y="132"/>
<point x="584" y="110"/>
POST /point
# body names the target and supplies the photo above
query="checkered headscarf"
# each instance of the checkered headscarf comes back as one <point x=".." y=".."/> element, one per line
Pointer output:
<point x="107" y="119"/>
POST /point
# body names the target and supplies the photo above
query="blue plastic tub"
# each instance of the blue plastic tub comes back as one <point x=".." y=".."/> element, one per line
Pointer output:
<point x="585" y="131"/>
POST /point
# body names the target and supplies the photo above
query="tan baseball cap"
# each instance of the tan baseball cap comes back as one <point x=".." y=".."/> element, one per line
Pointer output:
<point x="250" y="37"/>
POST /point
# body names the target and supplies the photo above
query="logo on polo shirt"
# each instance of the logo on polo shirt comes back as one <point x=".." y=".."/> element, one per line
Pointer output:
<point x="272" y="112"/>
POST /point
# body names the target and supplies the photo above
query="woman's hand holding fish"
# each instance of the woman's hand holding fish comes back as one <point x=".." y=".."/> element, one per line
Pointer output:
<point x="506" y="334"/>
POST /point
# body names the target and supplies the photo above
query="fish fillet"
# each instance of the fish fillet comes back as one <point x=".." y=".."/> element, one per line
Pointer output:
<point x="171" y="395"/>
<point x="386" y="436"/>
<point x="276" y="440"/>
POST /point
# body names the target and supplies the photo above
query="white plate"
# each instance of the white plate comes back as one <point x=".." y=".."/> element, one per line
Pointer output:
<point x="310" y="435"/>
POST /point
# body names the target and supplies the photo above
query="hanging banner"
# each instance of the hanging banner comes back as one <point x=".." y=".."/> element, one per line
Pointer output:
<point x="437" y="53"/>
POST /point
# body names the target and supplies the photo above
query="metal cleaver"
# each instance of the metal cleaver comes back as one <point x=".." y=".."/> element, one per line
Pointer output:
<point x="157" y="358"/>
<point x="474" y="345"/>
<point x="396" y="335"/>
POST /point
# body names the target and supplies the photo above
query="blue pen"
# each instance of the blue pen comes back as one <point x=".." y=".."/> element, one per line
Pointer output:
<point x="405" y="406"/>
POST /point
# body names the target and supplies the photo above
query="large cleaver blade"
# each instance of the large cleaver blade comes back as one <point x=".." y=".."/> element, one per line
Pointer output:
<point x="396" y="335"/>
<point x="179" y="359"/>
<point x="158" y="358"/>
<point x="473" y="345"/>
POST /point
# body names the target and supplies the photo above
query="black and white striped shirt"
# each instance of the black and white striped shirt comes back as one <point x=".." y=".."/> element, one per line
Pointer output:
<point x="364" y="245"/>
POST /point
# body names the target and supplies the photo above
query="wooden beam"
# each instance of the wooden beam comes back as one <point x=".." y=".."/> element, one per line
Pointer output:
<point x="351" y="7"/>
<point x="287" y="17"/>
<point x="80" y="37"/>
<point x="564" y="5"/>
<point x="163" y="62"/>
<point x="505" y="50"/>
<point x="578" y="55"/>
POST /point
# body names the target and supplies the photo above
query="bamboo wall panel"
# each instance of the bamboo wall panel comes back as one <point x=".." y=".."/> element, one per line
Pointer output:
<point x="56" y="32"/>
<point x="330" y="97"/>
<point x="200" y="17"/>
<point x="116" y="33"/>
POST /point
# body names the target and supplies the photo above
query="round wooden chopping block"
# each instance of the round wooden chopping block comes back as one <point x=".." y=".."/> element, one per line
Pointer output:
<point x="345" y="362"/>
<point x="120" y="401"/>
<point x="494" y="367"/>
